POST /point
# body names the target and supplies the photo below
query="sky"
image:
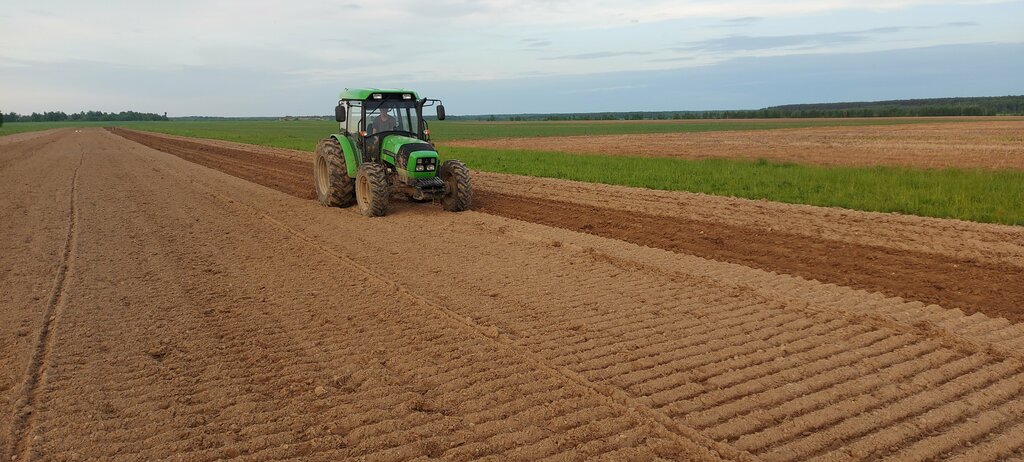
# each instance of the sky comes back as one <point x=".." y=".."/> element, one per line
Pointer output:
<point x="271" y="58"/>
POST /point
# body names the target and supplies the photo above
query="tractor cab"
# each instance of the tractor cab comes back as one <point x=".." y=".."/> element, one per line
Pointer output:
<point x="385" y="130"/>
<point x="372" y="115"/>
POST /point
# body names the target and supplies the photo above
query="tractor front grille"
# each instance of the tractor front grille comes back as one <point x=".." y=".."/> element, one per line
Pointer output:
<point x="430" y="185"/>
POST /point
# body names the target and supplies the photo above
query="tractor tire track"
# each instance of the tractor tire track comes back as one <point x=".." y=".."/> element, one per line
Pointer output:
<point x="35" y="381"/>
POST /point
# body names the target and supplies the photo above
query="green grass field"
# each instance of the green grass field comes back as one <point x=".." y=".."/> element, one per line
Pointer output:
<point x="977" y="195"/>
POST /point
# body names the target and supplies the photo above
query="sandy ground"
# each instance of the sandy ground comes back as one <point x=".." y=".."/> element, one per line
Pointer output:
<point x="995" y="144"/>
<point x="156" y="308"/>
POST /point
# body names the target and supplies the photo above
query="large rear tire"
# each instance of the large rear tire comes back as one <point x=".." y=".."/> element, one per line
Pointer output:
<point x="334" y="188"/>
<point x="372" y="189"/>
<point x="458" y="194"/>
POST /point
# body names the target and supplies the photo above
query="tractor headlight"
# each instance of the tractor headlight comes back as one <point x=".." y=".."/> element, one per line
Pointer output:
<point x="430" y="168"/>
<point x="419" y="168"/>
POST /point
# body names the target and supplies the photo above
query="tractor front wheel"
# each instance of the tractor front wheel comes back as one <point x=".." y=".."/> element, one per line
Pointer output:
<point x="372" y="189"/>
<point x="334" y="188"/>
<point x="458" y="191"/>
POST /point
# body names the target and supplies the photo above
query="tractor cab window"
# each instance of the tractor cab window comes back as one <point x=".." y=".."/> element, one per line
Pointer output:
<point x="388" y="116"/>
<point x="355" y="115"/>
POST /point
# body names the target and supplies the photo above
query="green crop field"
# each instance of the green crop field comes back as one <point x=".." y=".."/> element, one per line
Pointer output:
<point x="977" y="195"/>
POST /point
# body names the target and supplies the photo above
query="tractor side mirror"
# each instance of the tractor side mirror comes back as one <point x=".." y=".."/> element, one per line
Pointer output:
<point x="440" y="112"/>
<point x="339" y="113"/>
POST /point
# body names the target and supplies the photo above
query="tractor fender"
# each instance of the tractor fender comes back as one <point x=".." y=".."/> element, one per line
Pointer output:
<point x="348" y="149"/>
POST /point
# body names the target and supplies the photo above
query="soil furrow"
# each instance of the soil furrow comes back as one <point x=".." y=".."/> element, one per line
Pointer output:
<point x="880" y="419"/>
<point x="1006" y="441"/>
<point x="942" y="429"/>
<point x="758" y="420"/>
<point x="824" y="418"/>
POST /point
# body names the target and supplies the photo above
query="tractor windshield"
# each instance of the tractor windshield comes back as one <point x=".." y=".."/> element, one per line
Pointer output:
<point x="385" y="116"/>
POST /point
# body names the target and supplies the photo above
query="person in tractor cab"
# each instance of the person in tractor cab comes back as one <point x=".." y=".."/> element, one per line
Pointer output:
<point x="384" y="122"/>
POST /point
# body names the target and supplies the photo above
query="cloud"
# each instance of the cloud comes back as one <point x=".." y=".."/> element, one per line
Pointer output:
<point x="600" y="55"/>
<point x="672" y="60"/>
<point x="749" y="43"/>
<point x="961" y="24"/>
<point x="617" y="88"/>
<point x="745" y="19"/>
<point x="741" y="21"/>
<point x="767" y="42"/>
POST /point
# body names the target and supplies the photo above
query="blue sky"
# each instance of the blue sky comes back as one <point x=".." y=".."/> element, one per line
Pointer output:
<point x="248" y="58"/>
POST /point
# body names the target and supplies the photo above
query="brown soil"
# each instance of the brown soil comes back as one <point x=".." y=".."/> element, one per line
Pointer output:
<point x="971" y="285"/>
<point x="205" y="317"/>
<point x="978" y="144"/>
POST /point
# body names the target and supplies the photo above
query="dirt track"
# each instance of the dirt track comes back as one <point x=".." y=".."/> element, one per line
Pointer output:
<point x="990" y="144"/>
<point x="155" y="308"/>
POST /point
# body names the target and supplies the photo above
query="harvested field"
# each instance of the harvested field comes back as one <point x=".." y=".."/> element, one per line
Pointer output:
<point x="155" y="307"/>
<point x="987" y="145"/>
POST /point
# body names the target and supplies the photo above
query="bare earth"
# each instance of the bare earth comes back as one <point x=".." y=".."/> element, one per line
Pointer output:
<point x="194" y="304"/>
<point x="989" y="145"/>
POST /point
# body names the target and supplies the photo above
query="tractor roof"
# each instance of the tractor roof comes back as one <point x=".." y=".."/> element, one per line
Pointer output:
<point x="365" y="93"/>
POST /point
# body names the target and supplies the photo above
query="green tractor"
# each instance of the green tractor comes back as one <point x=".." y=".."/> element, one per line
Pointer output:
<point x="383" y="149"/>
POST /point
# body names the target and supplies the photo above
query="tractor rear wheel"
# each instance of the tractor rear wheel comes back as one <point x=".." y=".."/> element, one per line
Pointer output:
<point x="458" y="191"/>
<point x="334" y="188"/>
<point x="372" y="189"/>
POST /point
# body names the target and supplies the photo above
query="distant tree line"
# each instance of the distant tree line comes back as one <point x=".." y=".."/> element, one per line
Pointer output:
<point x="974" y="106"/>
<point x="85" y="116"/>
<point x="980" y="106"/>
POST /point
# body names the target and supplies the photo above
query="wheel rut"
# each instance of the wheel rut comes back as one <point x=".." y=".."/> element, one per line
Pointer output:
<point x="25" y="409"/>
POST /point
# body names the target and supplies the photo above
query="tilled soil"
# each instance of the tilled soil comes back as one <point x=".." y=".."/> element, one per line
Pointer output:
<point x="972" y="284"/>
<point x="173" y="311"/>
<point x="989" y="144"/>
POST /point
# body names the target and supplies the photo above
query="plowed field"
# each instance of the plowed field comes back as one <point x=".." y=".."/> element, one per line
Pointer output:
<point x="166" y="298"/>
<point x="988" y="145"/>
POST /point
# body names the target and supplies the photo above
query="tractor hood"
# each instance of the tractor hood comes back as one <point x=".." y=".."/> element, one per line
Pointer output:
<point x="395" y="143"/>
<point x="404" y="151"/>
